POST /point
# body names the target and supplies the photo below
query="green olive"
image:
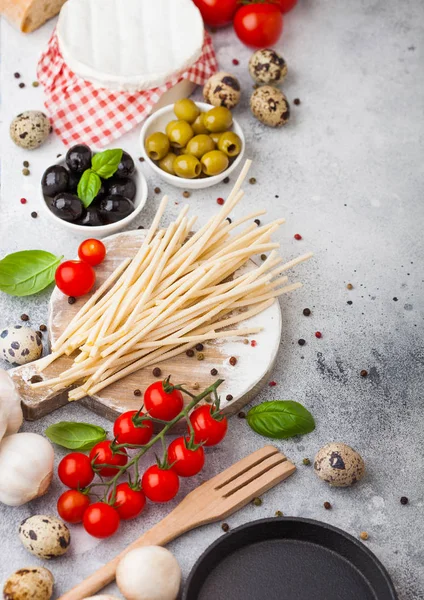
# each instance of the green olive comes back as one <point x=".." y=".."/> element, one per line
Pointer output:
<point x="179" y="133"/>
<point x="198" y="125"/>
<point x="199" y="145"/>
<point x="186" y="110"/>
<point x="187" y="166"/>
<point x="157" y="145"/>
<point x="215" y="137"/>
<point x="230" y="143"/>
<point x="167" y="163"/>
<point x="218" y="119"/>
<point x="214" y="162"/>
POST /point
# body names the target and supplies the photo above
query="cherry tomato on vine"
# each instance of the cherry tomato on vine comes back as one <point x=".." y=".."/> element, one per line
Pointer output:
<point x="160" y="485"/>
<point x="127" y="432"/>
<point x="217" y="13"/>
<point x="101" y="520"/>
<point x="75" y="278"/>
<point x="162" y="404"/>
<point x="71" y="506"/>
<point x="92" y="252"/>
<point x="285" y="5"/>
<point x="185" y="461"/>
<point x="258" y="25"/>
<point x="128" y="502"/>
<point x="207" y="427"/>
<point x="75" y="470"/>
<point x="102" y="453"/>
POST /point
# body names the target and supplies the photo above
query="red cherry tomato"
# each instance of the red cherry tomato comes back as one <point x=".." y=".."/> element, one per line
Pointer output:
<point x="185" y="462"/>
<point x="128" y="502"/>
<point x="102" y="454"/>
<point x="285" y="5"/>
<point x="217" y="13"/>
<point x="92" y="252"/>
<point x="207" y="428"/>
<point x="101" y="520"/>
<point x="72" y="505"/>
<point x="126" y="432"/>
<point x="75" y="278"/>
<point x="161" y="404"/>
<point x="160" y="485"/>
<point x="75" y="470"/>
<point x="258" y="25"/>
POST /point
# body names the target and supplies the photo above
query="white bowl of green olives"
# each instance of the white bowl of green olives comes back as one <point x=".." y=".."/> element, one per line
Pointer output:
<point x="192" y="145"/>
<point x="120" y="199"/>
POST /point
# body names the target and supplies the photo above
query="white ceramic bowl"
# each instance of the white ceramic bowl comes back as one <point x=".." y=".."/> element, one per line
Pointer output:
<point x="158" y="122"/>
<point x="102" y="230"/>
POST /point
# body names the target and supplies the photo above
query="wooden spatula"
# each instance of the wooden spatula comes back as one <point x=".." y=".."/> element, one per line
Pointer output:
<point x="212" y="501"/>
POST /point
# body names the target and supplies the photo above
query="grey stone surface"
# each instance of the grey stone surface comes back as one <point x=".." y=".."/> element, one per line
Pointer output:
<point x="347" y="174"/>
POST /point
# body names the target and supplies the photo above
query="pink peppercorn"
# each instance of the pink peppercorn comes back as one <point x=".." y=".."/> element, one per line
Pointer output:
<point x="318" y="334"/>
<point x="253" y="343"/>
<point x="235" y="61"/>
<point x="272" y="383"/>
<point x="220" y="201"/>
<point x="23" y="200"/>
<point x="297" y="236"/>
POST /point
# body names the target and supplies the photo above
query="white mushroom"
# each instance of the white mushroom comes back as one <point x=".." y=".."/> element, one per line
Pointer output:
<point x="32" y="583"/>
<point x="339" y="465"/>
<point x="149" y="573"/>
<point x="10" y="406"/>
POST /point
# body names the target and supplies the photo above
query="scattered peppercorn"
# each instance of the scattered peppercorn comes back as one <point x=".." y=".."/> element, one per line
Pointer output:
<point x="297" y="236"/>
<point x="318" y="334"/>
<point x="263" y="257"/>
<point x="272" y="383"/>
<point x="226" y="180"/>
<point x="241" y="415"/>
<point x="141" y="158"/>
<point x="229" y="220"/>
<point x="23" y="200"/>
<point x="25" y="163"/>
<point x="220" y="201"/>
<point x="404" y="500"/>
<point x="327" y="506"/>
<point x="190" y="353"/>
<point x="35" y="84"/>
<point x="214" y="372"/>
<point x="200" y="347"/>
<point x="36" y="379"/>
<point x="296" y="101"/>
<point x="43" y="328"/>
<point x="233" y="361"/>
<point x="253" y="343"/>
<point x="200" y="356"/>
<point x="71" y="300"/>
<point x="186" y="194"/>
<point x="58" y="155"/>
<point x="157" y="190"/>
<point x="195" y="386"/>
<point x="278" y="513"/>
<point x="306" y="462"/>
<point x="364" y="373"/>
<point x="252" y="180"/>
<point x="228" y="397"/>
<point x="257" y="501"/>
<point x="395" y="299"/>
<point x="246" y="341"/>
<point x="25" y="172"/>
<point x="34" y="215"/>
<point x="22" y="85"/>
<point x="225" y="527"/>
<point x="257" y="221"/>
<point x="349" y="286"/>
<point x="16" y="75"/>
<point x="364" y="535"/>
<point x="301" y="342"/>
<point x="140" y="227"/>
<point x="236" y="61"/>
<point x="137" y="392"/>
<point x="306" y="312"/>
<point x="156" y="372"/>
<point x="24" y="317"/>
<point x="350" y="302"/>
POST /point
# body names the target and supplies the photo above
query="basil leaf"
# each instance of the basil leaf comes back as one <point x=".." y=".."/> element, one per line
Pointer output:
<point x="75" y="436"/>
<point x="280" y="419"/>
<point x="27" y="272"/>
<point x="88" y="187"/>
<point x="105" y="163"/>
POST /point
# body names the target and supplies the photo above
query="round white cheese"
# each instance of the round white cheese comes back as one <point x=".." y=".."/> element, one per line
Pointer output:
<point x="129" y="45"/>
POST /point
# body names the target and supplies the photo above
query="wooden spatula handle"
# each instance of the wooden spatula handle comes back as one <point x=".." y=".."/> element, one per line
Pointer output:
<point x="163" y="532"/>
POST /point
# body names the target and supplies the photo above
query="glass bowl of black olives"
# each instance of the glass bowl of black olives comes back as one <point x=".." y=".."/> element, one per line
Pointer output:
<point x="192" y="145"/>
<point x="93" y="191"/>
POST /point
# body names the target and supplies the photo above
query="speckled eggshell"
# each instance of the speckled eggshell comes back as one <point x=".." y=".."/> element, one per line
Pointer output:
<point x="270" y="106"/>
<point x="339" y="465"/>
<point x="20" y="345"/>
<point x="44" y="536"/>
<point x="32" y="583"/>
<point x="222" y="89"/>
<point x="267" y="67"/>
<point x="30" y="129"/>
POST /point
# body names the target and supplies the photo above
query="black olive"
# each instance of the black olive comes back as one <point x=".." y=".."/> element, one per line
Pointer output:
<point x="78" y="158"/>
<point x="115" y="208"/>
<point x="123" y="186"/>
<point x="67" y="206"/>
<point x="73" y="182"/>
<point x="126" y="166"/>
<point x="54" y="180"/>
<point x="91" y="217"/>
<point x="102" y="192"/>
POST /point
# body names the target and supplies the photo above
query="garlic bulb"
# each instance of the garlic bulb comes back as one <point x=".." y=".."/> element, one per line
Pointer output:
<point x="26" y="467"/>
<point x="10" y="406"/>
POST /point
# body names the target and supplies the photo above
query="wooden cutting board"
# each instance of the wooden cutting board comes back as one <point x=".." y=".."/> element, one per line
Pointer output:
<point x="242" y="381"/>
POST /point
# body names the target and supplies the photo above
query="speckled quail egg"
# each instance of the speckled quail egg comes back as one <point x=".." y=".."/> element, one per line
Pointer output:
<point x="30" y="129"/>
<point x="267" y="66"/>
<point x="44" y="536"/>
<point x="222" y="89"/>
<point x="32" y="583"/>
<point x="339" y="465"/>
<point x="20" y="345"/>
<point x="270" y="106"/>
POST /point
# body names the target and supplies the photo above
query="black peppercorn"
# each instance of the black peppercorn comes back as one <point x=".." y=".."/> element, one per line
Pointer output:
<point x="363" y="373"/>
<point x="252" y="180"/>
<point x="327" y="506"/>
<point x="229" y="397"/>
<point x="404" y="500"/>
<point x="257" y="221"/>
<point x="36" y="379"/>
<point x="16" y="75"/>
<point x="301" y="342"/>
<point x="156" y="372"/>
<point x="137" y="392"/>
<point x="229" y="220"/>
<point x="214" y="372"/>
<point x="226" y="180"/>
<point x="22" y="85"/>
<point x="241" y="415"/>
<point x="34" y="215"/>
<point x="25" y="163"/>
<point x="157" y="190"/>
<point x="296" y="101"/>
<point x="24" y="317"/>
<point x="306" y="312"/>
<point x="141" y="158"/>
<point x="71" y="300"/>
<point x="190" y="352"/>
<point x="199" y="347"/>
<point x="233" y="361"/>
<point x="263" y="257"/>
<point x="43" y="328"/>
<point x="225" y="527"/>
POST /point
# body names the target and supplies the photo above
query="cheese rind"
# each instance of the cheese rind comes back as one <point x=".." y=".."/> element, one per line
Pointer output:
<point x="129" y="46"/>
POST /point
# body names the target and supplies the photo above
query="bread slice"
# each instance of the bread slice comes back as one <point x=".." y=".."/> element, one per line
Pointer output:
<point x="28" y="15"/>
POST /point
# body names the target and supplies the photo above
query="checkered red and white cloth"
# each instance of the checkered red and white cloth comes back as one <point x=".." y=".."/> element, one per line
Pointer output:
<point x="81" y="112"/>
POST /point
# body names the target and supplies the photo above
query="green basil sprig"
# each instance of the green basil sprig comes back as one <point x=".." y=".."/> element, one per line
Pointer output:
<point x="75" y="436"/>
<point x="27" y="272"/>
<point x="280" y="419"/>
<point x="104" y="164"/>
